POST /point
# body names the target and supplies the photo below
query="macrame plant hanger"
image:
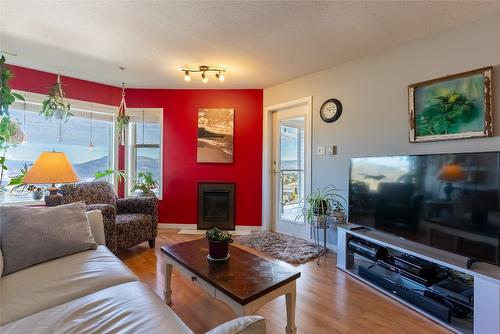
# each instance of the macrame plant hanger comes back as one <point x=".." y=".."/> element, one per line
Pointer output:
<point x="122" y="119"/>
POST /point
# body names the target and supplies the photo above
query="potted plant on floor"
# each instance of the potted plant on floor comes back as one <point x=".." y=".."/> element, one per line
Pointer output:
<point x="318" y="205"/>
<point x="218" y="244"/>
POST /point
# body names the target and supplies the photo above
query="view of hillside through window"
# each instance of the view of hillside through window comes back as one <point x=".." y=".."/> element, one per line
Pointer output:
<point x="74" y="139"/>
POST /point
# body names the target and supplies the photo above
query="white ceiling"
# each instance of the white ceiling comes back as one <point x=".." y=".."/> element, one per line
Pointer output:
<point x="261" y="43"/>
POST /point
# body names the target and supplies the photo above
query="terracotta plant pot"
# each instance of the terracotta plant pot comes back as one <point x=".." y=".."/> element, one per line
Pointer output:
<point x="218" y="249"/>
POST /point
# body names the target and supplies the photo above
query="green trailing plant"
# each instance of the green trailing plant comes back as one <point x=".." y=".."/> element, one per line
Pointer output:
<point x="119" y="175"/>
<point x="145" y="183"/>
<point x="447" y="114"/>
<point x="55" y="104"/>
<point x="7" y="96"/>
<point x="320" y="203"/>
<point x="7" y="126"/>
<point x="217" y="235"/>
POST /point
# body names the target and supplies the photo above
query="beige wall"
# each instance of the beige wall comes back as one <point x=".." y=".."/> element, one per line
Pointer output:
<point x="373" y="91"/>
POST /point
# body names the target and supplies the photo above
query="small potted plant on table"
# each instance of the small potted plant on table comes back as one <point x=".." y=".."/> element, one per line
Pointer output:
<point x="218" y="244"/>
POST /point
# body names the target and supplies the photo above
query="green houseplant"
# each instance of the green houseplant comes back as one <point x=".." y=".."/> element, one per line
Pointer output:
<point x="55" y="104"/>
<point x="145" y="183"/>
<point x="218" y="243"/>
<point x="7" y="125"/>
<point x="17" y="184"/>
<point x="118" y="174"/>
<point x="321" y="203"/>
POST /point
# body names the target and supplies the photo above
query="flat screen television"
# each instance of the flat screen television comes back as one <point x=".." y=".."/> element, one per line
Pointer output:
<point x="447" y="201"/>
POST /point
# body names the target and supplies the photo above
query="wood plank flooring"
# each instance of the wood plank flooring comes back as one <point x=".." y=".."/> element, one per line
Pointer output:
<point x="328" y="300"/>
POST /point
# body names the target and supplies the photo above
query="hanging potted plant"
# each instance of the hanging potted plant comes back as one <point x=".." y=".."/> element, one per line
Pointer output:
<point x="122" y="119"/>
<point x="218" y="244"/>
<point x="55" y="104"/>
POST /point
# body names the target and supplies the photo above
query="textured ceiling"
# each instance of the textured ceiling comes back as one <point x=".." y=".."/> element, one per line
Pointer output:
<point x="261" y="43"/>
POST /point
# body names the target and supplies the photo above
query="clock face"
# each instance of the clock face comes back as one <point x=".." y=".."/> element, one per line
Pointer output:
<point x="331" y="110"/>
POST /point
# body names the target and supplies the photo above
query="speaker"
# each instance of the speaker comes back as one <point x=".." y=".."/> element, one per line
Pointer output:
<point x="387" y="281"/>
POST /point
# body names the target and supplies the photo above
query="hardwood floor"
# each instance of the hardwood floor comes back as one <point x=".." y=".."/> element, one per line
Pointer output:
<point x="328" y="300"/>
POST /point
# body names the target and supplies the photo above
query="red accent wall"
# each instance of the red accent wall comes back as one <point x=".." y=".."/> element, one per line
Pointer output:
<point x="181" y="172"/>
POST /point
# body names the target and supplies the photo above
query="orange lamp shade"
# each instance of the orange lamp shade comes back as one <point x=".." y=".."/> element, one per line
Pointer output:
<point x="451" y="173"/>
<point x="51" y="167"/>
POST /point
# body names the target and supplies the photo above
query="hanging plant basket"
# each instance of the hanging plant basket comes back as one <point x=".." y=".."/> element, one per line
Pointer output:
<point x="55" y="105"/>
<point x="122" y="119"/>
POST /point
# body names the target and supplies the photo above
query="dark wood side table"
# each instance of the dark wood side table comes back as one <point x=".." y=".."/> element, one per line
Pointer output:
<point x="245" y="281"/>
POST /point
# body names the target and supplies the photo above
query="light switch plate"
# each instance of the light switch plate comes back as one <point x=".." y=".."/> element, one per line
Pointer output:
<point x="331" y="150"/>
<point x="321" y="150"/>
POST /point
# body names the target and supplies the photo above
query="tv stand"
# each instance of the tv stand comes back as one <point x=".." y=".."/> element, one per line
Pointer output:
<point x="485" y="277"/>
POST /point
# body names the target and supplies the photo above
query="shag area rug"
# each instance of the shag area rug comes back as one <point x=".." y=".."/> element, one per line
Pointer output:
<point x="280" y="246"/>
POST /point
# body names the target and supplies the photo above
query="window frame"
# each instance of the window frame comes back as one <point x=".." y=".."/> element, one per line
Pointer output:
<point x="131" y="151"/>
<point x="81" y="106"/>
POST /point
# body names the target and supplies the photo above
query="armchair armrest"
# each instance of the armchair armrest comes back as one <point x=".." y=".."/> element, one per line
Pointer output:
<point x="253" y="324"/>
<point x="147" y="205"/>
<point x="109" y="214"/>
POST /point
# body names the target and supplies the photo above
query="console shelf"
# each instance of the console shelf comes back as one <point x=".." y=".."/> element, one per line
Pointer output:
<point x="486" y="277"/>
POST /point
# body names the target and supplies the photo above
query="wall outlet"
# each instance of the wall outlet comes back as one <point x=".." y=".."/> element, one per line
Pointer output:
<point x="331" y="150"/>
<point x="321" y="150"/>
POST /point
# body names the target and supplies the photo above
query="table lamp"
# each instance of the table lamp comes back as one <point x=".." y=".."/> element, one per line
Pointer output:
<point x="450" y="173"/>
<point x="51" y="168"/>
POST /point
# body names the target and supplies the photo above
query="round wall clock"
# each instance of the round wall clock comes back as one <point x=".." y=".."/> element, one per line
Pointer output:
<point x="330" y="110"/>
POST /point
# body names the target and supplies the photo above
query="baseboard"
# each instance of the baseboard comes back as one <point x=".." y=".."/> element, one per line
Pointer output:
<point x="194" y="227"/>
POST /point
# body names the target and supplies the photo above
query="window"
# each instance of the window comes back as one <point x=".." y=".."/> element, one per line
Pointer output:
<point x="91" y="123"/>
<point x="144" y="147"/>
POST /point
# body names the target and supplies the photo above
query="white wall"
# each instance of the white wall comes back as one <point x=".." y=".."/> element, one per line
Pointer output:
<point x="373" y="91"/>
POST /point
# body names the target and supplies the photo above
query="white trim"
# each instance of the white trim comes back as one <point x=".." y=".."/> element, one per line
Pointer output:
<point x="129" y="158"/>
<point x="267" y="132"/>
<point x="194" y="227"/>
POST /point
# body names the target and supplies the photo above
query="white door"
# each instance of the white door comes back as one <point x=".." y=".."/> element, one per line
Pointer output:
<point x="291" y="168"/>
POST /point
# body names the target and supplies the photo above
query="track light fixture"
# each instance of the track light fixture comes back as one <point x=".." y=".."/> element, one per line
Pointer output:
<point x="204" y="70"/>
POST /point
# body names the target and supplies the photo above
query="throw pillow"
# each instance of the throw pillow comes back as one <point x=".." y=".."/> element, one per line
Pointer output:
<point x="29" y="236"/>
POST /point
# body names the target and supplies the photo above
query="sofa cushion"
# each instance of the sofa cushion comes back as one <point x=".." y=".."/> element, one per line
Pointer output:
<point x="30" y="235"/>
<point x="125" y="308"/>
<point x="58" y="281"/>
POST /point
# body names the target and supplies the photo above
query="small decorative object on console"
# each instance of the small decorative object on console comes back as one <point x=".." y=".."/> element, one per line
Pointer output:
<point x="218" y="244"/>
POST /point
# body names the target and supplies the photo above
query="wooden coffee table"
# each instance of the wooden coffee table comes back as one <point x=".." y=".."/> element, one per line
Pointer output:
<point x="245" y="281"/>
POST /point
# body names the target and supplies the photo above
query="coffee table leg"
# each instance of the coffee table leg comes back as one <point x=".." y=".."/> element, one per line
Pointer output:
<point x="168" y="280"/>
<point x="290" y="310"/>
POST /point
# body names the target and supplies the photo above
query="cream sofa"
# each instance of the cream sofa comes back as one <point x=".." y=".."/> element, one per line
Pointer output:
<point x="92" y="292"/>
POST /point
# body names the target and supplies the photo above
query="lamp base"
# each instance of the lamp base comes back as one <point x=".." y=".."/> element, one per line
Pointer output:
<point x="53" y="198"/>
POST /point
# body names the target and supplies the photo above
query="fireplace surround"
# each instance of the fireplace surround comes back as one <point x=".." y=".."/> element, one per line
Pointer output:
<point x="216" y="206"/>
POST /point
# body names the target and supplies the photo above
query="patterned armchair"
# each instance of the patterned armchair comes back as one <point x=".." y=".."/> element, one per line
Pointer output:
<point x="127" y="222"/>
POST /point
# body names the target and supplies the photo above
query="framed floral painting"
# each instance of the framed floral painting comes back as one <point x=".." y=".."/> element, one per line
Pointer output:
<point x="452" y="107"/>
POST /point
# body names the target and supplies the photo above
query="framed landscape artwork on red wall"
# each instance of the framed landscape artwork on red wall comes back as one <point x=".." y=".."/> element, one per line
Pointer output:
<point x="215" y="135"/>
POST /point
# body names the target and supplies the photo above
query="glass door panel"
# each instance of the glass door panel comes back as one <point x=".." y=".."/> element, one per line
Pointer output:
<point x="291" y="167"/>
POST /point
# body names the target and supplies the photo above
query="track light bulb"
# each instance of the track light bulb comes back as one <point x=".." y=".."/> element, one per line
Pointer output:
<point x="204" y="78"/>
<point x="186" y="76"/>
<point x="91" y="146"/>
<point x="220" y="76"/>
